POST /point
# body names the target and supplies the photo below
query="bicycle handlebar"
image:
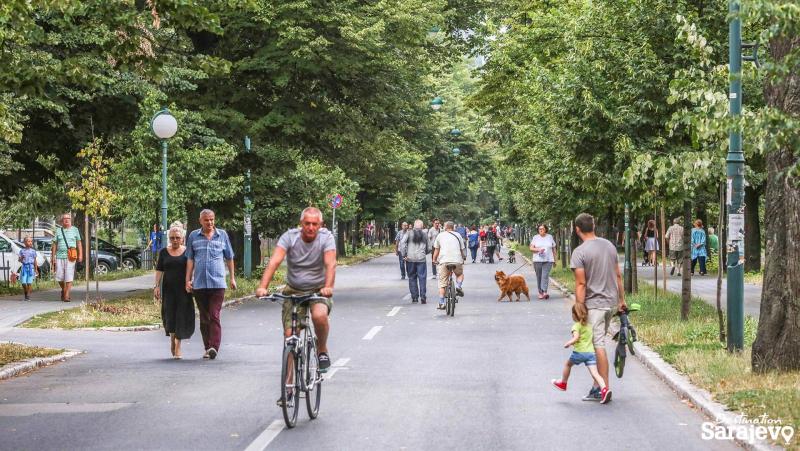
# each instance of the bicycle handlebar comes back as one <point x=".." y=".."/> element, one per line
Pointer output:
<point x="295" y="298"/>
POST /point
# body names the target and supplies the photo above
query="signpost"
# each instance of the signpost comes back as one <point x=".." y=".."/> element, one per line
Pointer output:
<point x="335" y="201"/>
<point x="248" y="219"/>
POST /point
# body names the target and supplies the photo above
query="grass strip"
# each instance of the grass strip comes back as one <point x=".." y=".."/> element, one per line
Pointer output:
<point x="693" y="348"/>
<point x="49" y="284"/>
<point x="364" y="253"/>
<point x="13" y="352"/>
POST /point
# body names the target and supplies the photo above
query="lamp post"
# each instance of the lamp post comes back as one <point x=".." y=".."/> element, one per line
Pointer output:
<point x="735" y="175"/>
<point x="164" y="126"/>
<point x="248" y="223"/>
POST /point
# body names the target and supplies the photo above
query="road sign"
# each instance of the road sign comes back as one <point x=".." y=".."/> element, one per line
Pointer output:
<point x="335" y="201"/>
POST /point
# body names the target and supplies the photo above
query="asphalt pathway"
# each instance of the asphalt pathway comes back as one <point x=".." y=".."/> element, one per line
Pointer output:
<point x="405" y="377"/>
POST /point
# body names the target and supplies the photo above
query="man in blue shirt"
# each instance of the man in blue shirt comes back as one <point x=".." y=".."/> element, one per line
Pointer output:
<point x="209" y="251"/>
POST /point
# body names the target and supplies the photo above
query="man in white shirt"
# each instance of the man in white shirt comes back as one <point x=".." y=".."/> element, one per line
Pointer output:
<point x="449" y="249"/>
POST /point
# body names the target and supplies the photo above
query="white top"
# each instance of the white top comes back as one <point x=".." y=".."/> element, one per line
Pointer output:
<point x="546" y="242"/>
<point x="449" y="244"/>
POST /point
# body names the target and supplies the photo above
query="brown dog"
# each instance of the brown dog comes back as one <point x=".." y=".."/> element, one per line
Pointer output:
<point x="511" y="284"/>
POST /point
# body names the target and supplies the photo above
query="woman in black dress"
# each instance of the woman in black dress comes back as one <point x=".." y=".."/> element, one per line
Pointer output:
<point x="177" y="307"/>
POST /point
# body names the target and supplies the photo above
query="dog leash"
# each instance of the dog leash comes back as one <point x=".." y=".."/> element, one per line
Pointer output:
<point x="524" y="264"/>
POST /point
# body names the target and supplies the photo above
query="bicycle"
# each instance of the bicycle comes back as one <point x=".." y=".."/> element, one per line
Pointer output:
<point x="450" y="293"/>
<point x="625" y="339"/>
<point x="300" y="373"/>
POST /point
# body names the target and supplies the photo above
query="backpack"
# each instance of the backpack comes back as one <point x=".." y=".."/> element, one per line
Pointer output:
<point x="473" y="240"/>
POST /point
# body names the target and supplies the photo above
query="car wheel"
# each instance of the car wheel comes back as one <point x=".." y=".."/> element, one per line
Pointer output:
<point x="102" y="268"/>
<point x="129" y="264"/>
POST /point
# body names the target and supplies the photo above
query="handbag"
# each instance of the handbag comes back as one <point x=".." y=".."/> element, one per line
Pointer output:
<point x="72" y="252"/>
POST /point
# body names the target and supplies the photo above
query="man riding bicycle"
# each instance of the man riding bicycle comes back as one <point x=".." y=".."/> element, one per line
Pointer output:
<point x="310" y="253"/>
<point x="449" y="249"/>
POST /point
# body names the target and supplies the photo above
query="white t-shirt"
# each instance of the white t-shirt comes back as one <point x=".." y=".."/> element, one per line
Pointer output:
<point x="546" y="242"/>
<point x="449" y="244"/>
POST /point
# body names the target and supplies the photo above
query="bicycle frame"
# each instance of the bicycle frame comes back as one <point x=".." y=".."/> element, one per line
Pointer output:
<point x="299" y="344"/>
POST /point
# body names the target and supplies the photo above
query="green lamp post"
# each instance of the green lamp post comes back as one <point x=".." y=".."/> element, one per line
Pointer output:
<point x="164" y="126"/>
<point x="248" y="222"/>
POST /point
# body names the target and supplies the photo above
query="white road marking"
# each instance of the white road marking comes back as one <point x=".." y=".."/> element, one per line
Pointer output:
<point x="407" y="297"/>
<point x="330" y="373"/>
<point x="394" y="311"/>
<point x="338" y="365"/>
<point x="265" y="438"/>
<point x="372" y="332"/>
<point x="341" y="362"/>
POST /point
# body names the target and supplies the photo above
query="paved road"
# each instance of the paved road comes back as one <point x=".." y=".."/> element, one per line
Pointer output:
<point x="479" y="380"/>
<point x="14" y="311"/>
<point x="704" y="287"/>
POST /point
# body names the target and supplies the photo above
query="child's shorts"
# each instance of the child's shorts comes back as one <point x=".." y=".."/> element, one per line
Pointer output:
<point x="27" y="274"/>
<point x="588" y="358"/>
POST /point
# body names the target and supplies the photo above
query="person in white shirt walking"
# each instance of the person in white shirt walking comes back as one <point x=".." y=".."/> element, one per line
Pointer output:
<point x="543" y="247"/>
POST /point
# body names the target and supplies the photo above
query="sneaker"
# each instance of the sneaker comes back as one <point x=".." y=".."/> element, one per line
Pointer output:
<point x="324" y="362"/>
<point x="289" y="402"/>
<point x="594" y="395"/>
<point x="414" y="300"/>
<point x="459" y="292"/>
<point x="402" y="277"/>
<point x="605" y="395"/>
<point x="212" y="353"/>
<point x="561" y="385"/>
<point x="206" y="356"/>
<point x="423" y="301"/>
<point x="433" y="277"/>
<point x="440" y="307"/>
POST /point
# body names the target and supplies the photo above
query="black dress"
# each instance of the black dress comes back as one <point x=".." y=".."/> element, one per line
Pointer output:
<point x="177" y="307"/>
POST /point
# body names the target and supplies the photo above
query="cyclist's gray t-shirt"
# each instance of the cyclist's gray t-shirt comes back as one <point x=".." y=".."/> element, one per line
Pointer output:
<point x="598" y="258"/>
<point x="305" y="263"/>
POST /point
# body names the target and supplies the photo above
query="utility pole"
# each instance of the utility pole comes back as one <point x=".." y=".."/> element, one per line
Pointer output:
<point x="248" y="223"/>
<point x="735" y="176"/>
<point x="628" y="281"/>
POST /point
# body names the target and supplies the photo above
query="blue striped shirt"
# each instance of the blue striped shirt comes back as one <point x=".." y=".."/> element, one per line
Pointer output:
<point x="209" y="258"/>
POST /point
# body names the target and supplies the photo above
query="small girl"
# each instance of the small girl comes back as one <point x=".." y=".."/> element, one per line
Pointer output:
<point x="583" y="352"/>
<point x="29" y="270"/>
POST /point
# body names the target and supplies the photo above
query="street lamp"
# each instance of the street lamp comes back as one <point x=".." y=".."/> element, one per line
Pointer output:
<point x="436" y="103"/>
<point x="456" y="151"/>
<point x="455" y="133"/>
<point x="164" y="126"/>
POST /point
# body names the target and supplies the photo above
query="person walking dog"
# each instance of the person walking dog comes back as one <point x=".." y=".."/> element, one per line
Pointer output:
<point x="208" y="252"/>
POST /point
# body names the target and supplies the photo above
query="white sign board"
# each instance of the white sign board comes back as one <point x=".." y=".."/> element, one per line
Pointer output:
<point x="735" y="227"/>
<point x="248" y="225"/>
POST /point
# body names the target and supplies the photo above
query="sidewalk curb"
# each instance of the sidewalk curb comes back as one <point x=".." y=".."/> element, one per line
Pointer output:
<point x="25" y="366"/>
<point x="683" y="387"/>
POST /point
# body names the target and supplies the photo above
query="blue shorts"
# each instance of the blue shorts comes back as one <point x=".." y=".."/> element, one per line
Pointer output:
<point x="588" y="358"/>
<point x="27" y="274"/>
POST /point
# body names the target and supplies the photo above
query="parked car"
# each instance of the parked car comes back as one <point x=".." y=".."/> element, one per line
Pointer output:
<point x="106" y="261"/>
<point x="131" y="258"/>
<point x="9" y="258"/>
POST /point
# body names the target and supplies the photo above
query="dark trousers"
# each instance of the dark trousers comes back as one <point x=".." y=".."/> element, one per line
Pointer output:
<point x="209" y="303"/>
<point x="433" y="267"/>
<point x="490" y="251"/>
<point x="702" y="264"/>
<point x="474" y="251"/>
<point x="417" y="279"/>
<point x="402" y="266"/>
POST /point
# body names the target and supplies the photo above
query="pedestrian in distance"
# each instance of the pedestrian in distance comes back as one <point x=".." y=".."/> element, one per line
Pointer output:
<point x="67" y="250"/>
<point x="498" y="232"/>
<point x="491" y="243"/>
<point x="582" y="353"/>
<point x="543" y="247"/>
<point x="310" y="253"/>
<point x="399" y="236"/>
<point x="154" y="242"/>
<point x="414" y="248"/>
<point x="433" y="232"/>
<point x="449" y="249"/>
<point x="699" y="247"/>
<point x="474" y="241"/>
<point x="30" y="269"/>
<point x="651" y="242"/>
<point x="461" y="230"/>
<point x="674" y="236"/>
<point x="713" y="244"/>
<point x="208" y="253"/>
<point x="599" y="291"/>
<point x="177" y="306"/>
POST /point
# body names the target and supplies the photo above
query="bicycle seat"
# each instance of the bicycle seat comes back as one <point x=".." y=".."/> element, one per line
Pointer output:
<point x="451" y="267"/>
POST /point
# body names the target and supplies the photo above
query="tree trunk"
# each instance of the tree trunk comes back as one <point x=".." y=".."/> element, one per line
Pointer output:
<point x="686" y="280"/>
<point x="752" y="229"/>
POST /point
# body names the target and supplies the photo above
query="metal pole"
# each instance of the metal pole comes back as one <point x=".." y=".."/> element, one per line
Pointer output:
<point x="248" y="225"/>
<point x="333" y="224"/>
<point x="627" y="273"/>
<point x="735" y="201"/>
<point x="163" y="193"/>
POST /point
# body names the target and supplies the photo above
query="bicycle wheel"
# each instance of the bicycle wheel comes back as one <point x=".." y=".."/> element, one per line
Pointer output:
<point x="289" y="394"/>
<point x="631" y="339"/>
<point x="619" y="360"/>
<point x="312" y="377"/>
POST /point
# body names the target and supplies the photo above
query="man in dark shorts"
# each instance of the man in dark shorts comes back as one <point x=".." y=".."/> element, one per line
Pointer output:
<point x="310" y="253"/>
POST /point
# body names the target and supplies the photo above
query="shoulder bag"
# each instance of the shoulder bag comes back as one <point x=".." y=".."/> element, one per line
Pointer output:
<point x="72" y="252"/>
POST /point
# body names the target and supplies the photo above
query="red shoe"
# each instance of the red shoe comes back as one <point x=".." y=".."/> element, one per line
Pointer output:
<point x="561" y="385"/>
<point x="605" y="395"/>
